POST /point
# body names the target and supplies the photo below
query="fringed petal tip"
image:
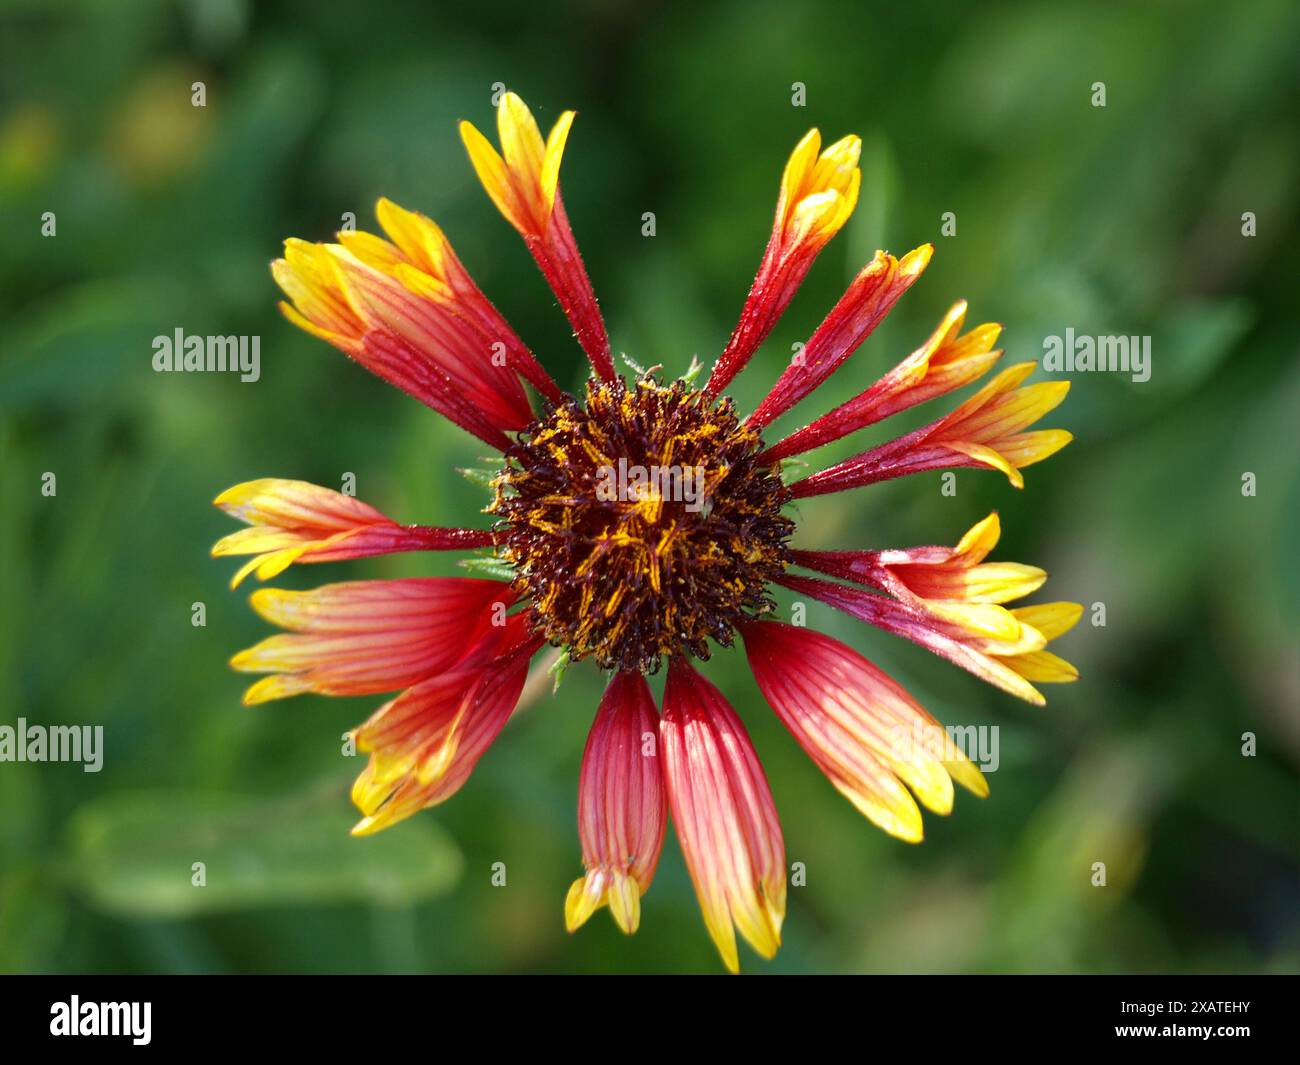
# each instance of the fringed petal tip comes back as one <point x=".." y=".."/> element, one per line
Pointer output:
<point x="368" y="826"/>
<point x="819" y="189"/>
<point x="269" y="689"/>
<point x="1051" y="620"/>
<point x="583" y="899"/>
<point x="619" y="891"/>
<point x="269" y="565"/>
<point x="915" y="261"/>
<point x="522" y="179"/>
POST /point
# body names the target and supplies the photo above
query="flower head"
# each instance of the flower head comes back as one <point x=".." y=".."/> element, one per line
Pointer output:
<point x="640" y="523"/>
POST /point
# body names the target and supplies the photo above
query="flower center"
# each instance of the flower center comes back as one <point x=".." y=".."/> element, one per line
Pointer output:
<point x="639" y="524"/>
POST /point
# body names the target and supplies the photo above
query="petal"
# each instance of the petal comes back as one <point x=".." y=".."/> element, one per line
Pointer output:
<point x="980" y="455"/>
<point x="365" y="637"/>
<point x="912" y="624"/>
<point x="492" y="173"/>
<point x="726" y="821"/>
<point x="1010" y="413"/>
<point x="373" y="251"/>
<point x="817" y="196"/>
<point x="294" y="521"/>
<point x="1043" y="667"/>
<point x="445" y="340"/>
<point x="860" y="727"/>
<point x="1024" y="449"/>
<point x="869" y="298"/>
<point x="1051" y="619"/>
<point x="995" y="582"/>
<point x="794" y="176"/>
<point x="421" y="240"/>
<point x="521" y="142"/>
<point x="525" y="187"/>
<point x="425" y="743"/>
<point x="621" y="805"/>
<point x="289" y="504"/>
<point x="308" y="278"/>
<point x="979" y="540"/>
<point x="555" y="142"/>
<point x="394" y="360"/>
<point x="945" y="362"/>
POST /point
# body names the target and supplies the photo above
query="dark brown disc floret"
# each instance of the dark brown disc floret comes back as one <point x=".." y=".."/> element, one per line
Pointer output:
<point x="639" y="523"/>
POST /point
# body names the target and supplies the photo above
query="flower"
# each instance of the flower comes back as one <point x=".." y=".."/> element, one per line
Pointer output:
<point x="640" y="523"/>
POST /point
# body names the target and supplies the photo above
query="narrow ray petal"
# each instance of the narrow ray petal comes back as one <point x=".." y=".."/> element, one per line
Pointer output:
<point x="991" y="659"/>
<point x="295" y="521"/>
<point x="725" y="817"/>
<point x="819" y="190"/>
<point x="621" y="807"/>
<point x="948" y="360"/>
<point x="870" y="297"/>
<point x="982" y="431"/>
<point x="525" y="187"/>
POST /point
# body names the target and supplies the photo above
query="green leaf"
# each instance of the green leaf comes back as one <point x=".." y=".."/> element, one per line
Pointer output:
<point x="134" y="854"/>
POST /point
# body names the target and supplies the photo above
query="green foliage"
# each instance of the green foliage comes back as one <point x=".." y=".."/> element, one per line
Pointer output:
<point x="129" y="852"/>
<point x="1124" y="219"/>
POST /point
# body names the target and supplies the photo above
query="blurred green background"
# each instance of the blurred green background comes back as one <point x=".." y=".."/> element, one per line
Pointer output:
<point x="1124" y="219"/>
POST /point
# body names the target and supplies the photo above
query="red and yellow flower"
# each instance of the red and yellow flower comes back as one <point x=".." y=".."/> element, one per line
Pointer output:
<point x="652" y="573"/>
